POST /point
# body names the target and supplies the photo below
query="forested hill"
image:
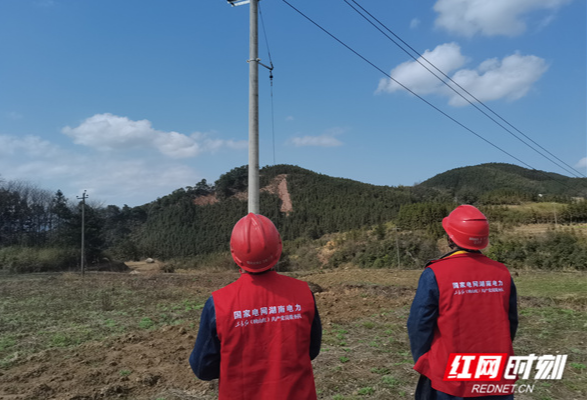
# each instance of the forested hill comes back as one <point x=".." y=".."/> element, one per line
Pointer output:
<point x="321" y="204"/>
<point x="176" y="225"/>
<point x="497" y="183"/>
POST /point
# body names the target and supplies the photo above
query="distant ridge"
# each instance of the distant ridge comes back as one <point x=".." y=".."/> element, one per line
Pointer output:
<point x="484" y="178"/>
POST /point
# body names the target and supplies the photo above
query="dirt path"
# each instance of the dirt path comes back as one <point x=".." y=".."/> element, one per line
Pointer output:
<point x="279" y="187"/>
<point x="284" y="195"/>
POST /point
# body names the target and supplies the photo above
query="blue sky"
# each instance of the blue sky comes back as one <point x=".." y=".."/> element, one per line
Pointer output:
<point x="131" y="100"/>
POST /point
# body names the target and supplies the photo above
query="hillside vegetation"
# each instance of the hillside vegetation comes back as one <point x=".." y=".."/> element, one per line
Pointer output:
<point x="331" y="222"/>
<point x="498" y="183"/>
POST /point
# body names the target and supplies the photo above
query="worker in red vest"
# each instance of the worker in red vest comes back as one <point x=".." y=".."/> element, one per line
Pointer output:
<point x="465" y="303"/>
<point x="259" y="334"/>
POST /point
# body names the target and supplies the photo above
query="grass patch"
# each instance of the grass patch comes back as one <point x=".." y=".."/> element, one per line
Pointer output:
<point x="381" y="371"/>
<point x="7" y="342"/>
<point x="578" y="366"/>
<point x="390" y="381"/>
<point x="366" y="391"/>
<point x="146" y="323"/>
<point x="563" y="285"/>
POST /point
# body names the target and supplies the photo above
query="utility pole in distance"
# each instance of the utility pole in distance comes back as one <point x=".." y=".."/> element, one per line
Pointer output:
<point x="83" y="258"/>
<point x="396" y="230"/>
<point x="253" y="185"/>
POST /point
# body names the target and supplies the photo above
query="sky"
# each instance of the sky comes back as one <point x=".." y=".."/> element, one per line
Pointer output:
<point x="131" y="100"/>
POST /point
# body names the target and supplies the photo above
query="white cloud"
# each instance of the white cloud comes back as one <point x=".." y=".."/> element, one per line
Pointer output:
<point x="581" y="163"/>
<point x="447" y="57"/>
<point x="32" y="146"/>
<point x="289" y="118"/>
<point x="490" y="18"/>
<point x="213" y="145"/>
<point x="107" y="132"/>
<point x="510" y="78"/>
<point x="327" y="139"/>
<point x="133" y="181"/>
<point x="415" y="23"/>
<point x="104" y="166"/>
<point x="176" y="145"/>
<point x="106" y="176"/>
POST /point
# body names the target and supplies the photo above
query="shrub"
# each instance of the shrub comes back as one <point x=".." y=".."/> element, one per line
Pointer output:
<point x="18" y="259"/>
<point x="413" y="249"/>
<point x="554" y="250"/>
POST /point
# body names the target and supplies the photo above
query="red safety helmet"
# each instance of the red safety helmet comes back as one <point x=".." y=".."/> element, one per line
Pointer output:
<point x="467" y="227"/>
<point x="256" y="245"/>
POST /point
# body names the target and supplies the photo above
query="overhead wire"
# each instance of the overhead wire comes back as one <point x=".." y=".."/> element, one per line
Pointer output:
<point x="420" y="97"/>
<point x="271" y="77"/>
<point x="420" y="56"/>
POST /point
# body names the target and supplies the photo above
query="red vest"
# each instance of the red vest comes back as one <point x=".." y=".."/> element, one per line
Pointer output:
<point x="474" y="296"/>
<point x="263" y="323"/>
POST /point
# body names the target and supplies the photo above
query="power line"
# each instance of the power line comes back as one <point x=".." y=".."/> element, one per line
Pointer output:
<point x="269" y="55"/>
<point x="271" y="77"/>
<point x="571" y="170"/>
<point x="418" y="96"/>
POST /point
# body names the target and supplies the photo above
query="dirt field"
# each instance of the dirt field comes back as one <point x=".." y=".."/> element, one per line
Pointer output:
<point x="129" y="336"/>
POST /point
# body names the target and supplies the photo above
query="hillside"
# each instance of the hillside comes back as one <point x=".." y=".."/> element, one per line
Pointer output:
<point x="302" y="203"/>
<point x="175" y="225"/>
<point x="485" y="181"/>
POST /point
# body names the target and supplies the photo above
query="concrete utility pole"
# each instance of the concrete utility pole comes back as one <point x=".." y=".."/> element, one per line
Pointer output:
<point x="554" y="214"/>
<point x="396" y="229"/>
<point x="253" y="187"/>
<point x="83" y="258"/>
<point x="253" y="191"/>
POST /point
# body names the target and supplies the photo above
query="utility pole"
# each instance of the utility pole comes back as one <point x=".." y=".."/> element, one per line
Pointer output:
<point x="396" y="229"/>
<point x="554" y="215"/>
<point x="253" y="186"/>
<point x="83" y="258"/>
<point x="253" y="111"/>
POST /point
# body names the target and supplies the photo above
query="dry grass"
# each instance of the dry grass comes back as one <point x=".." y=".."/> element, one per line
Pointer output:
<point x="540" y="229"/>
